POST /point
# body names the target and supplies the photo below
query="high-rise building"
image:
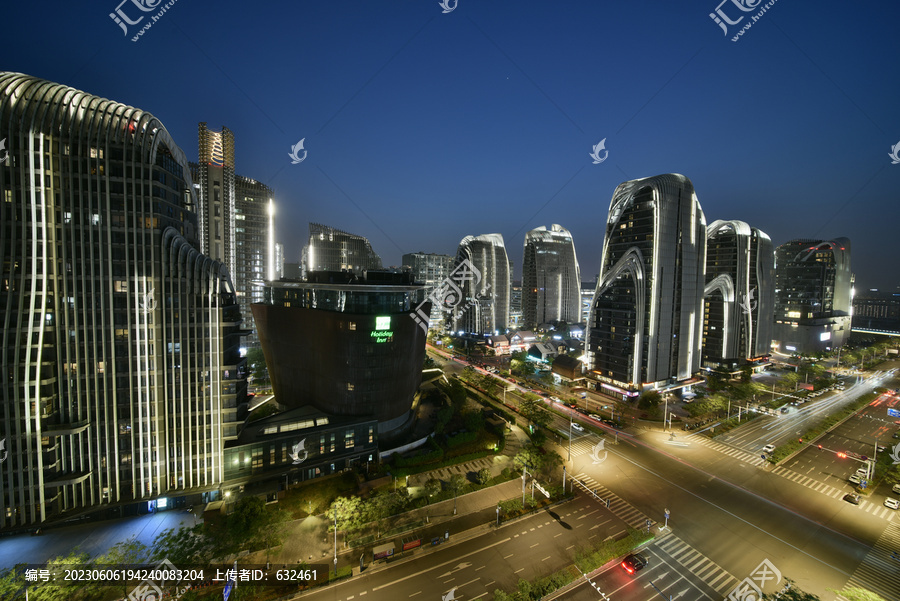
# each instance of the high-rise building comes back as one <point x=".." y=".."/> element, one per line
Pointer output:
<point x="739" y="302"/>
<point x="251" y="237"/>
<point x="330" y="249"/>
<point x="485" y="309"/>
<point x="214" y="182"/>
<point x="515" y="304"/>
<point x="122" y="374"/>
<point x="430" y="269"/>
<point x="813" y="285"/>
<point x="646" y="320"/>
<point x="551" y="278"/>
<point x="345" y="344"/>
<point x="877" y="312"/>
<point x="279" y="260"/>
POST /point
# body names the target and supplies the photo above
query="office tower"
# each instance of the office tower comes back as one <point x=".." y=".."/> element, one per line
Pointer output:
<point x="646" y="320"/>
<point x="216" y="201"/>
<point x="122" y="372"/>
<point x="551" y="277"/>
<point x="739" y="302"/>
<point x="345" y="344"/>
<point x="485" y="296"/>
<point x="251" y="237"/>
<point x="587" y="299"/>
<point x="279" y="260"/>
<point x="515" y="303"/>
<point x="330" y="249"/>
<point x="877" y="312"/>
<point x="812" y="295"/>
<point x="431" y="270"/>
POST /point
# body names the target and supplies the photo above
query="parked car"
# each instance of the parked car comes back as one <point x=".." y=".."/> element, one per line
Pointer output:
<point x="595" y="416"/>
<point x="852" y="497"/>
<point x="555" y="399"/>
<point x="896" y="488"/>
<point x="768" y="448"/>
<point x="634" y="562"/>
<point x="891" y="503"/>
<point x="854" y="479"/>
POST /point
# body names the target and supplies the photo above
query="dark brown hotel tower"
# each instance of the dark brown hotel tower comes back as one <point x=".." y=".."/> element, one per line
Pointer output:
<point x="345" y="345"/>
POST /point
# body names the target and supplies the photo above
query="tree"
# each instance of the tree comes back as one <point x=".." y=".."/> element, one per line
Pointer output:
<point x="456" y="483"/>
<point x="855" y="593"/>
<point x="790" y="593"/>
<point x="550" y="463"/>
<point x="457" y="394"/>
<point x="184" y="546"/>
<point x="432" y="486"/>
<point x="650" y="399"/>
<point x="529" y="456"/>
<point x="483" y="476"/>
<point x="129" y="552"/>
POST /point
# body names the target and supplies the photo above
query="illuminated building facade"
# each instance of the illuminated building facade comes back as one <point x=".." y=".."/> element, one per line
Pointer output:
<point x="330" y="249"/>
<point x="122" y="373"/>
<point x="431" y="270"/>
<point x="252" y="236"/>
<point x="813" y="285"/>
<point x="485" y="306"/>
<point x="345" y="344"/>
<point x="739" y="300"/>
<point x="551" y="278"/>
<point x="646" y="321"/>
<point x="214" y="183"/>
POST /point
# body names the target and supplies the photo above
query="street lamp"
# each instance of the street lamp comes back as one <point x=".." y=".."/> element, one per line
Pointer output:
<point x="335" y="541"/>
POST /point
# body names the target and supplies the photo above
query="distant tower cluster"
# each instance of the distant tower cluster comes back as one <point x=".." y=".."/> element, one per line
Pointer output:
<point x="484" y="309"/>
<point x="740" y="294"/>
<point x="646" y="321"/>
<point x="551" y="278"/>
<point x="330" y="249"/>
<point x="431" y="270"/>
<point x="813" y="286"/>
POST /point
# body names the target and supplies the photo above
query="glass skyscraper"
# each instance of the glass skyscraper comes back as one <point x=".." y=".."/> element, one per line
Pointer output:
<point x="485" y="298"/>
<point x="330" y="249"/>
<point x="551" y="278"/>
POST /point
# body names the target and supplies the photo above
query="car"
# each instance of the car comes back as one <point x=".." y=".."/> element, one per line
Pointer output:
<point x="852" y="497"/>
<point x="862" y="472"/>
<point x="896" y="488"/>
<point x="892" y="503"/>
<point x="555" y="399"/>
<point x="785" y="409"/>
<point x="581" y="411"/>
<point x="854" y="479"/>
<point x="577" y="426"/>
<point x="595" y="416"/>
<point x="896" y="434"/>
<point x="768" y="448"/>
<point x="611" y="423"/>
<point x="634" y="562"/>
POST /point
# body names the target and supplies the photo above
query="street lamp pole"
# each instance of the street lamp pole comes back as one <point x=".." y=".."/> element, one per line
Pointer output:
<point x="666" y="414"/>
<point x="570" y="439"/>
<point x="335" y="541"/>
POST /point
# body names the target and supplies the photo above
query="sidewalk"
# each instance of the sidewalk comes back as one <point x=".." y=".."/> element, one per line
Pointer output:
<point x="309" y="539"/>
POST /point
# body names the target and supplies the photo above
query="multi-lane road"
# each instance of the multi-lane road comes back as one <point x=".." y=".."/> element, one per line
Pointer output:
<point x="730" y="511"/>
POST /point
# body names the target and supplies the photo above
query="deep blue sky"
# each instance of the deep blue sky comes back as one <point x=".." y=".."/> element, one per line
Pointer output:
<point x="423" y="127"/>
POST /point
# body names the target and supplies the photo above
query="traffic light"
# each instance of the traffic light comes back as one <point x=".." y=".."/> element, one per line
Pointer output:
<point x="820" y="447"/>
<point x="801" y="440"/>
<point x="842" y="455"/>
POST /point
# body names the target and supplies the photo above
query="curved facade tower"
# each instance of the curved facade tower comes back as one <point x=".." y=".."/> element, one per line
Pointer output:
<point x="485" y="297"/>
<point x="121" y="370"/>
<point x="551" y="278"/>
<point x="740" y="293"/>
<point x="330" y="249"/>
<point x="646" y="318"/>
<point x="812" y="295"/>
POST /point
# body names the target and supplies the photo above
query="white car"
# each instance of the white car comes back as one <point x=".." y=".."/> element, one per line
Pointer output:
<point x="768" y="448"/>
<point x="891" y="503"/>
<point x="854" y="479"/>
<point x="578" y="427"/>
<point x="555" y="399"/>
<point x="896" y="488"/>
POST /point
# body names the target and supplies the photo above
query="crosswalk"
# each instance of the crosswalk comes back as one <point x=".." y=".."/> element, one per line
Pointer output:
<point x="879" y="570"/>
<point x="726" y="449"/>
<point x="617" y="506"/>
<point x="582" y="445"/>
<point x="698" y="564"/>
<point x="810" y="483"/>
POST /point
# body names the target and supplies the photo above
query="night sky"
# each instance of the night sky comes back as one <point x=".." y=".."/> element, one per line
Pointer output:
<point x="423" y="127"/>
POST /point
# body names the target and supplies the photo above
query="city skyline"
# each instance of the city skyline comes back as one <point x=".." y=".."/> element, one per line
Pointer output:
<point x="462" y="115"/>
